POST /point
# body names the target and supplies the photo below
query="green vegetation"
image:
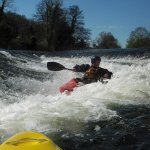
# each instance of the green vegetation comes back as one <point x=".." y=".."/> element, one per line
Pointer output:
<point x="106" y="41"/>
<point x="56" y="28"/>
<point x="139" y="38"/>
<point x="52" y="28"/>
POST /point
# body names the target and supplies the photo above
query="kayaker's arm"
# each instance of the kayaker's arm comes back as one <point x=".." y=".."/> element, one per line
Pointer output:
<point x="81" y="68"/>
<point x="104" y="73"/>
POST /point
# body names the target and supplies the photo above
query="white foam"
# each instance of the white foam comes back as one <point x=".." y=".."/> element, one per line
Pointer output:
<point x="7" y="54"/>
<point x="43" y="108"/>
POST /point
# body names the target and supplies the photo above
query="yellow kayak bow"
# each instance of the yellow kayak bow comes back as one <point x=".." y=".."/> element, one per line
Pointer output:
<point x="29" y="140"/>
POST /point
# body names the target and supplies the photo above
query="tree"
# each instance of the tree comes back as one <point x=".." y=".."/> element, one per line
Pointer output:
<point x="75" y="19"/>
<point x="4" y="4"/>
<point x="139" y="38"/>
<point x="17" y="32"/>
<point x="106" y="40"/>
<point x="49" y="12"/>
<point x="5" y="34"/>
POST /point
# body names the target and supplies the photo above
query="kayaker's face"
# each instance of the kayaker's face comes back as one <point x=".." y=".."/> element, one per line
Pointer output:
<point x="96" y="64"/>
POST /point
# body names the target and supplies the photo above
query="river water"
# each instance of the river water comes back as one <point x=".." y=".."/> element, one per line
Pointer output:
<point x="96" y="116"/>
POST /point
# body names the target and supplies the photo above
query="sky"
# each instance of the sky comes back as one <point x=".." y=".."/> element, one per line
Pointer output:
<point x="120" y="17"/>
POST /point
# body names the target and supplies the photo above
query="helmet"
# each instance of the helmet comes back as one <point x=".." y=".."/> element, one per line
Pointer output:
<point x="94" y="59"/>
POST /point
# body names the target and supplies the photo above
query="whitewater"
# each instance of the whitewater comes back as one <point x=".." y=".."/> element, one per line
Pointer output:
<point x="96" y="116"/>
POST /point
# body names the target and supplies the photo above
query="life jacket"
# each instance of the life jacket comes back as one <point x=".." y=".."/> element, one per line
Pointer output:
<point x="91" y="73"/>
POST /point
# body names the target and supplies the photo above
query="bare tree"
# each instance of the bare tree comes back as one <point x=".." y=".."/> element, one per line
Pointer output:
<point x="76" y="21"/>
<point x="75" y="17"/>
<point x="3" y="5"/>
<point x="49" y="12"/>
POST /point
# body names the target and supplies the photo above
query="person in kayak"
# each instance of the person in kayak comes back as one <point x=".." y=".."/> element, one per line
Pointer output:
<point x="92" y="73"/>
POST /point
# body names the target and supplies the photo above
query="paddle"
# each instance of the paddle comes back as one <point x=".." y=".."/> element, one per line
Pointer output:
<point x="54" y="66"/>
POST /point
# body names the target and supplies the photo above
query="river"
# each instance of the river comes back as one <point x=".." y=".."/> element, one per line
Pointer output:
<point x="112" y="116"/>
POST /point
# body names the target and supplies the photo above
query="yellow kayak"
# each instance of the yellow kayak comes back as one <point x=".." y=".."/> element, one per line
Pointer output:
<point x="29" y="140"/>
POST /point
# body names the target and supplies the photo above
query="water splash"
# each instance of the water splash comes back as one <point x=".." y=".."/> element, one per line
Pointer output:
<point x="28" y="102"/>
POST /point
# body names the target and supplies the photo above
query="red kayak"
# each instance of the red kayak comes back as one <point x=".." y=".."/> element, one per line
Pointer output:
<point x="69" y="86"/>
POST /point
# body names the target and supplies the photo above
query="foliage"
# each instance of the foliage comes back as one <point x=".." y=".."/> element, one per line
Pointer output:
<point x="50" y="29"/>
<point x="6" y="31"/>
<point x="106" y="40"/>
<point x="139" y="38"/>
<point x="17" y="32"/>
<point x="64" y="27"/>
<point x="75" y="20"/>
<point x="49" y="13"/>
<point x="3" y="5"/>
<point x="56" y="28"/>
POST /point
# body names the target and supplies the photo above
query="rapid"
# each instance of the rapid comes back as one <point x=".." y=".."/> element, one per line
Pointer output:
<point x="96" y="116"/>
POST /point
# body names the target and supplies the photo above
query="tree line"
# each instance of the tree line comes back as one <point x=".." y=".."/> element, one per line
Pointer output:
<point x="56" y="28"/>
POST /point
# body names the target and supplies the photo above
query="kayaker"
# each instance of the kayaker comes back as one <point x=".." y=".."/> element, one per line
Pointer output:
<point x="92" y="73"/>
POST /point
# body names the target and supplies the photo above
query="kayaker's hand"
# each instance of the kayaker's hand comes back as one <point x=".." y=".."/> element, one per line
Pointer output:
<point x="105" y="76"/>
<point x="74" y="69"/>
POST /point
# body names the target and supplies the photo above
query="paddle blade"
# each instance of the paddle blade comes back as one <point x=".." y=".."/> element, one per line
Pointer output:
<point x="54" y="66"/>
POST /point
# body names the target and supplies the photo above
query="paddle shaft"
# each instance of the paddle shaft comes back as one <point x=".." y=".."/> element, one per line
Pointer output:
<point x="68" y="69"/>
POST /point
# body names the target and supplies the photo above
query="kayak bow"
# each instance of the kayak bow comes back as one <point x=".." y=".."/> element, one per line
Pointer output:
<point x="29" y="140"/>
